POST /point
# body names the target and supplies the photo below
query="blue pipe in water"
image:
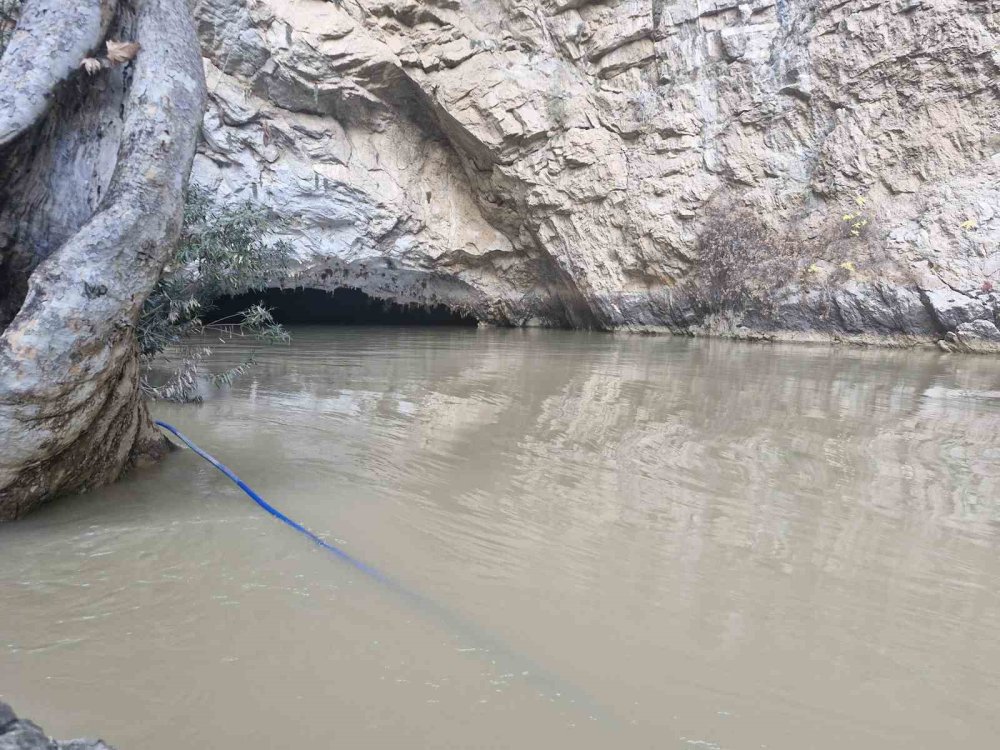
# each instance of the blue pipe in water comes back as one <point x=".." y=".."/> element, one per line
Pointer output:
<point x="557" y="686"/>
<point x="368" y="570"/>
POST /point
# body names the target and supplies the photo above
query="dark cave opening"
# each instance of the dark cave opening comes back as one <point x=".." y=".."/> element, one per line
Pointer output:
<point x="343" y="306"/>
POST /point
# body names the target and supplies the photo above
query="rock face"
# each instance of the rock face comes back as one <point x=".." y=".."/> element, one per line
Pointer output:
<point x="21" y="734"/>
<point x="796" y="168"/>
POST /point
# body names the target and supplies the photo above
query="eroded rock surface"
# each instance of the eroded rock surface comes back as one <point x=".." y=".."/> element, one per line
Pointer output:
<point x="560" y="162"/>
<point x="21" y="734"/>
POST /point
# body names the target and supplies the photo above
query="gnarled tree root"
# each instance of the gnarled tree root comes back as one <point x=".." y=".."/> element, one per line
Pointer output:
<point x="71" y="416"/>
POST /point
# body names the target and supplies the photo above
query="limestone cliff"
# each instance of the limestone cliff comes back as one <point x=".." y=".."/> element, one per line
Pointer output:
<point x="629" y="164"/>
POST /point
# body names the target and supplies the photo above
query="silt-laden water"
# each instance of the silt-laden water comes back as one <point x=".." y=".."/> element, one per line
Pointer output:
<point x="613" y="541"/>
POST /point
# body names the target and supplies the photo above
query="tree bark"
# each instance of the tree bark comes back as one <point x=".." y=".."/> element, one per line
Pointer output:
<point x="92" y="178"/>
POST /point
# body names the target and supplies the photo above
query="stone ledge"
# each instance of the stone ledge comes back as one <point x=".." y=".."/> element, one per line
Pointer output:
<point x="22" y="734"/>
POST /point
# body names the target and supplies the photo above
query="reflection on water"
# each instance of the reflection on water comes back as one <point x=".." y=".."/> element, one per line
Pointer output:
<point x="680" y="544"/>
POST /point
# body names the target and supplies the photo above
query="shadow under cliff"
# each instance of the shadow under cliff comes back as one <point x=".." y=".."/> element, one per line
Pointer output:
<point x="343" y="306"/>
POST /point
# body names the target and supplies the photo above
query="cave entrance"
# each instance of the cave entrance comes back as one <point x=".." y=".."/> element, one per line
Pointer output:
<point x="343" y="306"/>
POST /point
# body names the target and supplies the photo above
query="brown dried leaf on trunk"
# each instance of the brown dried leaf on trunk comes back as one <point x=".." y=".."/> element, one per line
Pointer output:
<point x="91" y="64"/>
<point x="121" y="52"/>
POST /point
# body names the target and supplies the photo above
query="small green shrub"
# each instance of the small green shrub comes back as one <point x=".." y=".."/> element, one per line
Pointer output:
<point x="221" y="252"/>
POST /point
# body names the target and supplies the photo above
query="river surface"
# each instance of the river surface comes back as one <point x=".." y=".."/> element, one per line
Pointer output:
<point x="596" y="541"/>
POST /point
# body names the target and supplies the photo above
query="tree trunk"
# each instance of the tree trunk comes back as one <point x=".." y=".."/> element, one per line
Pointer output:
<point x="92" y="175"/>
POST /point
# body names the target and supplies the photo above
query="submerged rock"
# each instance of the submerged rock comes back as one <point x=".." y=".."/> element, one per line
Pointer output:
<point x="22" y="734"/>
<point x="554" y="162"/>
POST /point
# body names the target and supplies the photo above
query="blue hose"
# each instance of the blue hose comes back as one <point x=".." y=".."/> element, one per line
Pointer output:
<point x="368" y="570"/>
<point x="494" y="646"/>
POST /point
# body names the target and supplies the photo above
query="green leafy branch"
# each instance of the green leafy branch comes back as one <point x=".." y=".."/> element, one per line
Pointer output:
<point x="222" y="252"/>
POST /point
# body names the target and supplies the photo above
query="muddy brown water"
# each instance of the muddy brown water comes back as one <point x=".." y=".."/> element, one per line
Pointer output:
<point x="625" y="542"/>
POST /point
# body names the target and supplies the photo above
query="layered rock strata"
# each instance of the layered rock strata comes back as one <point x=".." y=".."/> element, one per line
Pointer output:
<point x="794" y="168"/>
